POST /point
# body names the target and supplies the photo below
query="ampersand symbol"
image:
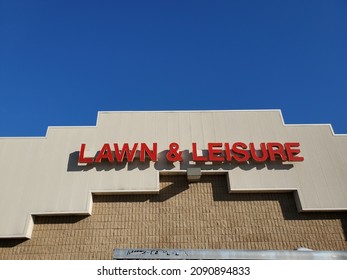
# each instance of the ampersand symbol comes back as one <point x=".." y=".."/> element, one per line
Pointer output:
<point x="174" y="154"/>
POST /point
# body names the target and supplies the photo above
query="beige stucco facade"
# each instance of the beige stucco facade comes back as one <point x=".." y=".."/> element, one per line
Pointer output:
<point x="42" y="176"/>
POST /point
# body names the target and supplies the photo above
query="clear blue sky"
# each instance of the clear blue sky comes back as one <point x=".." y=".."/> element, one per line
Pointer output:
<point x="63" y="61"/>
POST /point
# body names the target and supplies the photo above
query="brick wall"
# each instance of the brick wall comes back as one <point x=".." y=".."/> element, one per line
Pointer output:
<point x="187" y="216"/>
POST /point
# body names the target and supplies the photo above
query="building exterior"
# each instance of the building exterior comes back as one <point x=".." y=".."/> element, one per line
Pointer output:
<point x="173" y="180"/>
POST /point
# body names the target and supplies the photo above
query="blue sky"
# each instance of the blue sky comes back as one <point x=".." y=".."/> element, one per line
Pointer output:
<point x="63" y="61"/>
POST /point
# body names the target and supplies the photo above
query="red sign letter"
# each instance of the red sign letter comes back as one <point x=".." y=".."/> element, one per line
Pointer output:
<point x="215" y="152"/>
<point x="125" y="151"/>
<point x="196" y="157"/>
<point x="241" y="151"/>
<point x="105" y="153"/>
<point x="81" y="158"/>
<point x="293" y="152"/>
<point x="254" y="152"/>
<point x="151" y="153"/>
<point x="276" y="149"/>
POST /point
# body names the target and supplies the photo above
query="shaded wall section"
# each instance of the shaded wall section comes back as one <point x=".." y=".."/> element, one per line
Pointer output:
<point x="183" y="215"/>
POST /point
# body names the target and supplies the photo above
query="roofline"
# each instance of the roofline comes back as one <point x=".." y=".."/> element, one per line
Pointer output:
<point x="173" y="111"/>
